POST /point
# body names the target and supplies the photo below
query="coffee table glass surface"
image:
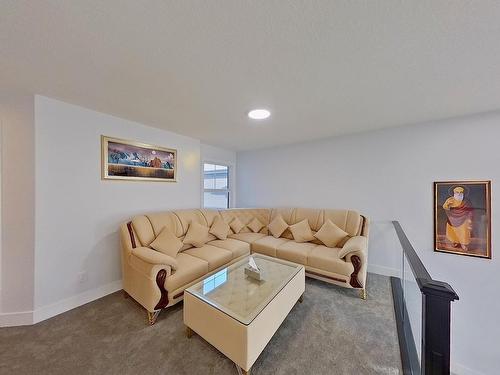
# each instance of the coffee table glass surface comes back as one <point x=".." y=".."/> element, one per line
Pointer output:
<point x="240" y="296"/>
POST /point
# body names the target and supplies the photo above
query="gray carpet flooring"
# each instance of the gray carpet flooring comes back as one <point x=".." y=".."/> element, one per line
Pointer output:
<point x="332" y="332"/>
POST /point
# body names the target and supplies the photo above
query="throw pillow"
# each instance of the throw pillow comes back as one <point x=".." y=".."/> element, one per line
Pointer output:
<point x="236" y="225"/>
<point x="277" y="226"/>
<point x="197" y="235"/>
<point x="167" y="243"/>
<point x="302" y="231"/>
<point x="255" y="225"/>
<point x="219" y="228"/>
<point x="330" y="234"/>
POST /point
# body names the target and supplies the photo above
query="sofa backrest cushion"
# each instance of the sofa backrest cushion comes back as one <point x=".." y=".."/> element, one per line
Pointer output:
<point x="210" y="216"/>
<point x="148" y="227"/>
<point x="143" y="229"/>
<point x="188" y="216"/>
<point x="167" y="219"/>
<point x="246" y="215"/>
<point x="347" y="220"/>
<point x="313" y="215"/>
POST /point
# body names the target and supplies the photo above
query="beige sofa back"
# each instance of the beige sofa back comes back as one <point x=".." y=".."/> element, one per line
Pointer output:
<point x="147" y="227"/>
<point x="348" y="220"/>
<point x="246" y="215"/>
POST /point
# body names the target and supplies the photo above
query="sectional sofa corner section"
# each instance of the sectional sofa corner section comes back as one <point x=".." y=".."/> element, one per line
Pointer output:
<point x="157" y="281"/>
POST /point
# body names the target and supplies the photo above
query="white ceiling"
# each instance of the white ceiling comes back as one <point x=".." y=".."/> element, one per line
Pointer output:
<point x="323" y="68"/>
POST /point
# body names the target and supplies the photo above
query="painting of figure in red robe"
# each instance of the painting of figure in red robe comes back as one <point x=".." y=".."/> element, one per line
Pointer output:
<point x="462" y="218"/>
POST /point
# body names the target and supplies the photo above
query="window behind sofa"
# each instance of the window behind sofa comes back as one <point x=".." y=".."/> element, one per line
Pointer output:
<point x="216" y="189"/>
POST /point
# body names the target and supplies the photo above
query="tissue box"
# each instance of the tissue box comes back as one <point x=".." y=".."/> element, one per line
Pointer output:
<point x="253" y="274"/>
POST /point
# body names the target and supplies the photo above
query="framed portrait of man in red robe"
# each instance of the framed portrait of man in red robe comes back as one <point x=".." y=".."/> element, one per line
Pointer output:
<point x="462" y="218"/>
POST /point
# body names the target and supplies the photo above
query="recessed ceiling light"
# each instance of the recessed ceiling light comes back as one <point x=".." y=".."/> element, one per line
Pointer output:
<point x="259" y="114"/>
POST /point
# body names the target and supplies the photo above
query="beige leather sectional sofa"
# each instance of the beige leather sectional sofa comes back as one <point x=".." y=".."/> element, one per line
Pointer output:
<point x="157" y="280"/>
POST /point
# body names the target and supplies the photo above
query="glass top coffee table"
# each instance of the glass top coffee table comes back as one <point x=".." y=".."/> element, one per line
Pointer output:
<point x="239" y="314"/>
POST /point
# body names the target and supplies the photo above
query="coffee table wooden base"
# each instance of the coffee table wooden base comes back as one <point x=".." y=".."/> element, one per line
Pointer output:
<point x="189" y="332"/>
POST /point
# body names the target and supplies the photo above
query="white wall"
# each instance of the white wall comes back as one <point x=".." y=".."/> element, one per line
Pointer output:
<point x="222" y="156"/>
<point x="388" y="175"/>
<point x="18" y="192"/>
<point x="78" y="214"/>
<point x="218" y="155"/>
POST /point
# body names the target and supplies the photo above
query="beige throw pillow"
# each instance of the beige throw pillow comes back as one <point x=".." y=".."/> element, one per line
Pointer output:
<point x="255" y="225"/>
<point x="167" y="243"/>
<point x="277" y="226"/>
<point x="219" y="228"/>
<point x="330" y="234"/>
<point x="197" y="235"/>
<point x="302" y="231"/>
<point x="236" y="225"/>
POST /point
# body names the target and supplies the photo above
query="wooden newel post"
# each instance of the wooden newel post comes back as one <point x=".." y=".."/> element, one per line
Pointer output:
<point x="436" y="322"/>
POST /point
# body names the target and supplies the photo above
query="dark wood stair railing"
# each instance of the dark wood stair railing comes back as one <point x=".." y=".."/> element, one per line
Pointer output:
<point x="436" y="317"/>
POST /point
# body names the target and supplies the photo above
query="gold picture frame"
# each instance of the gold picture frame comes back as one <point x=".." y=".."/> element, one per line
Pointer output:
<point x="462" y="218"/>
<point x="136" y="161"/>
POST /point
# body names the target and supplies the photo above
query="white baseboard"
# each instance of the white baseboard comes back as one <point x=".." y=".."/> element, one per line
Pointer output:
<point x="22" y="318"/>
<point x="459" y="369"/>
<point x="382" y="270"/>
<point x="49" y="311"/>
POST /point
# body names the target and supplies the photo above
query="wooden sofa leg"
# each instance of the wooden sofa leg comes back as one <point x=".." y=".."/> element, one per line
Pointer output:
<point x="152" y="316"/>
<point x="362" y="294"/>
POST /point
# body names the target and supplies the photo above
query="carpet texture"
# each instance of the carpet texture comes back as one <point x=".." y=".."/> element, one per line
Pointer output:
<point x="332" y="332"/>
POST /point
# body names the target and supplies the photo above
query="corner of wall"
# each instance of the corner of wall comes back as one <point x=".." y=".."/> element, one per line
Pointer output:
<point x="17" y="205"/>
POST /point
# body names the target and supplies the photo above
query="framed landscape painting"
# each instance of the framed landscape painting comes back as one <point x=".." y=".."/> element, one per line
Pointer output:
<point x="462" y="218"/>
<point x="128" y="160"/>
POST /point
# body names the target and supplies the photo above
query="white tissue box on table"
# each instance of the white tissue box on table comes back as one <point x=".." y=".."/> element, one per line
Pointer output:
<point x="254" y="274"/>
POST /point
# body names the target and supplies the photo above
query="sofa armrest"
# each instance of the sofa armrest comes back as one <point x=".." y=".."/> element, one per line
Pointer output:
<point x="154" y="257"/>
<point x="355" y="251"/>
<point x="354" y="244"/>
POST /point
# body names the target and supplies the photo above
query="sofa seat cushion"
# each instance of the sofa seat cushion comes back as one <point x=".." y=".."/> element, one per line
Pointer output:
<point x="189" y="268"/>
<point x="215" y="256"/>
<point x="237" y="247"/>
<point x="267" y="245"/>
<point x="327" y="259"/>
<point x="247" y="236"/>
<point x="295" y="252"/>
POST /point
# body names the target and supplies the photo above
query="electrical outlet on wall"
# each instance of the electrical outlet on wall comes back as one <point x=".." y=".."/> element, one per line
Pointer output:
<point x="82" y="277"/>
